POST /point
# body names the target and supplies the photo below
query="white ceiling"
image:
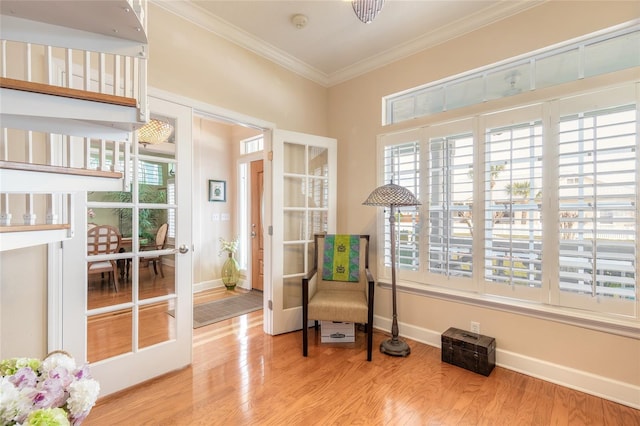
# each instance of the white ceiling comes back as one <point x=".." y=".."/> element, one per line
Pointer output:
<point x="335" y="46"/>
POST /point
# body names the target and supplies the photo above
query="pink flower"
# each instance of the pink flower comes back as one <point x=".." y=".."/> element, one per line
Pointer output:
<point x="25" y="377"/>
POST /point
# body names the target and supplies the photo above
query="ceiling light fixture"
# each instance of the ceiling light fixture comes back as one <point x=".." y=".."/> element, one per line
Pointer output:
<point x="367" y="10"/>
<point x="154" y="132"/>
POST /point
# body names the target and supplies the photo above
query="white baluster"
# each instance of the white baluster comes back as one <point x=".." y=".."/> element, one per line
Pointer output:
<point x="4" y="58"/>
<point x="87" y="70"/>
<point x="68" y="63"/>
<point x="5" y="216"/>
<point x="127" y="77"/>
<point x="116" y="76"/>
<point x="102" y="74"/>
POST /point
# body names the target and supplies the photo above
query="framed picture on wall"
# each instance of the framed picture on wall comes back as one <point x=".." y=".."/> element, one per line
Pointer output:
<point x="217" y="190"/>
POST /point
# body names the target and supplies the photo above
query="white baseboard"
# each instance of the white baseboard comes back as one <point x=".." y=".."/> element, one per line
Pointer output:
<point x="602" y="387"/>
<point x="211" y="284"/>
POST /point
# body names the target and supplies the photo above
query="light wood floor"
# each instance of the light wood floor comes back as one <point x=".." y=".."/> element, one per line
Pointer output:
<point x="240" y="376"/>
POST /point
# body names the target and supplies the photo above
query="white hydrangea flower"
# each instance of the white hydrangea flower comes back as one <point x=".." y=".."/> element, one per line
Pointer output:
<point x="82" y="396"/>
<point x="15" y="404"/>
<point x="58" y="360"/>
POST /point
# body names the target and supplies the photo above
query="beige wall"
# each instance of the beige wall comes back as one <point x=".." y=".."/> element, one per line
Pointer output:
<point x="190" y="61"/>
<point x="213" y="159"/>
<point x="355" y="120"/>
<point x="23" y="302"/>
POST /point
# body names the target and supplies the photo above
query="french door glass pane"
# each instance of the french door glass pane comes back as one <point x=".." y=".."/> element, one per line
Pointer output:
<point x="318" y="165"/>
<point x="157" y="323"/>
<point x="295" y="191"/>
<point x="294" y="158"/>
<point x="107" y="279"/>
<point x="318" y="222"/>
<point x="113" y="330"/>
<point x="294" y="225"/>
<point x="152" y="283"/>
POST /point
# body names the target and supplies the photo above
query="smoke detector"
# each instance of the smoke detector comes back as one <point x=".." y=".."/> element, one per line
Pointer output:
<point x="299" y="20"/>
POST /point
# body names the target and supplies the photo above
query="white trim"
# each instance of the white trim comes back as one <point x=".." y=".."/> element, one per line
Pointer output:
<point x="211" y="111"/>
<point x="212" y="23"/>
<point x="213" y="284"/>
<point x="601" y="323"/>
<point x="54" y="295"/>
<point x="593" y="384"/>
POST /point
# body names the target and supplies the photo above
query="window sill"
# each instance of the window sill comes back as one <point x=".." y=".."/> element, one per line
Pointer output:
<point x="616" y="326"/>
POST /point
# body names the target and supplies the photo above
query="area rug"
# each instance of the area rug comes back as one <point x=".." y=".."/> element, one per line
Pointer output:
<point x="229" y="307"/>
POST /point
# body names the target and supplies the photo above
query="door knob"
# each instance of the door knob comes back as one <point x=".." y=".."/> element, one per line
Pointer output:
<point x="183" y="249"/>
<point x="253" y="234"/>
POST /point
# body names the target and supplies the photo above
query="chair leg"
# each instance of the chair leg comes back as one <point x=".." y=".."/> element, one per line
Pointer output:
<point x="115" y="275"/>
<point x="160" y="266"/>
<point x="155" y="271"/>
<point x="305" y="332"/>
<point x="369" y="330"/>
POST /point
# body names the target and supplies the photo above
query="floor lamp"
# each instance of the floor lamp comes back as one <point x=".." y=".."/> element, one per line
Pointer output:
<point x="393" y="196"/>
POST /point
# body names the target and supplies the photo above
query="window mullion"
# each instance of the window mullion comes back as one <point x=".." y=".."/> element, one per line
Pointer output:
<point x="479" y="134"/>
<point x="550" y="211"/>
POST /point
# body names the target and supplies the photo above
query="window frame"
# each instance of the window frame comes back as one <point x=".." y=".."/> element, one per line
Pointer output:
<point x="547" y="300"/>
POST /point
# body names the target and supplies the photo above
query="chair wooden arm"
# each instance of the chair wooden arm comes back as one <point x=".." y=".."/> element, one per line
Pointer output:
<point x="369" y="276"/>
<point x="310" y="274"/>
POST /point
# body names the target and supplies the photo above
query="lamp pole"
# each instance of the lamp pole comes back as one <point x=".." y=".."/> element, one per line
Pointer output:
<point x="394" y="346"/>
<point x="392" y="196"/>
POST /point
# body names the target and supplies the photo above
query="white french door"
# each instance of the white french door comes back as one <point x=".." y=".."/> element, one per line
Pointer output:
<point x="143" y="329"/>
<point x="303" y="202"/>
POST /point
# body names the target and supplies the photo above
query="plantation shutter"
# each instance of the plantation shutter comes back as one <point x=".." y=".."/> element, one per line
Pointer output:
<point x="450" y="206"/>
<point x="597" y="203"/>
<point x="513" y="171"/>
<point x="402" y="167"/>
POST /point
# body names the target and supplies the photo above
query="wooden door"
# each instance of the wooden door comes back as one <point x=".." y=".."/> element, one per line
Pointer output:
<point x="257" y="234"/>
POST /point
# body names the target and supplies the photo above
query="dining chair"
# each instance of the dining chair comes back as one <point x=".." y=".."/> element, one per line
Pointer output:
<point x="159" y="244"/>
<point x="101" y="240"/>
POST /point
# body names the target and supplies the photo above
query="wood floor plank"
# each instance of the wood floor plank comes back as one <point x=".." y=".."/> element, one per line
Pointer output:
<point x="240" y="376"/>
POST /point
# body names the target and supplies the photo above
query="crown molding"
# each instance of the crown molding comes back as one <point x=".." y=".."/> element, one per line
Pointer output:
<point x="204" y="19"/>
<point x="199" y="16"/>
<point x="438" y="36"/>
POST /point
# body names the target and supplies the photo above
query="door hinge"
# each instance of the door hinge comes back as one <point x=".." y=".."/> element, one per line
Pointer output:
<point x="270" y="304"/>
<point x="270" y="156"/>
<point x="270" y="230"/>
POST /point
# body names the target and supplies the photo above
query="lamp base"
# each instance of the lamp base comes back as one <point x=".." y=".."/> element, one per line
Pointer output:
<point x="395" y="347"/>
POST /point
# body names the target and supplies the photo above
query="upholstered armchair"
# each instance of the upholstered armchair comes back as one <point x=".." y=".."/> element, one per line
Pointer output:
<point x="339" y="286"/>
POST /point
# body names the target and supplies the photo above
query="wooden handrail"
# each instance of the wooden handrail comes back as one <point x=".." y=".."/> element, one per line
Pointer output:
<point x="47" y="89"/>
